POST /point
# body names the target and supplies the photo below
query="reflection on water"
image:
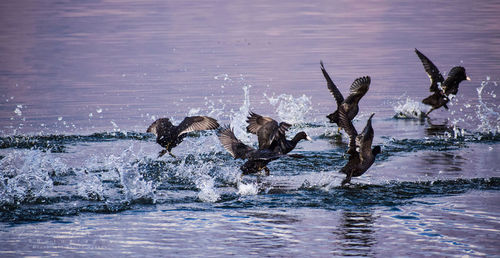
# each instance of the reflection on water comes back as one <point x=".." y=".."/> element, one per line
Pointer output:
<point x="438" y="129"/>
<point x="356" y="233"/>
<point x="440" y="162"/>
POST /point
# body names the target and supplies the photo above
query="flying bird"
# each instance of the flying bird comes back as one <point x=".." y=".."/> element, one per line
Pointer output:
<point x="257" y="159"/>
<point x="272" y="135"/>
<point x="361" y="153"/>
<point x="350" y="105"/>
<point x="169" y="135"/>
<point x="441" y="88"/>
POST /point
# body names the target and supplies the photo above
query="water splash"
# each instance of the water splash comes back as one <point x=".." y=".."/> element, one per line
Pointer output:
<point x="25" y="176"/>
<point x="248" y="188"/>
<point x="239" y="117"/>
<point x="481" y="119"/>
<point x="410" y="109"/>
<point x="290" y="109"/>
<point x="134" y="185"/>
<point x="208" y="192"/>
<point x="488" y="114"/>
<point x="18" y="111"/>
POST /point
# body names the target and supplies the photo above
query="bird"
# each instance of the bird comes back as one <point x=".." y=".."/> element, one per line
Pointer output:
<point x="169" y="135"/>
<point x="272" y="135"/>
<point x="441" y="88"/>
<point x="361" y="153"/>
<point x="357" y="90"/>
<point x="257" y="159"/>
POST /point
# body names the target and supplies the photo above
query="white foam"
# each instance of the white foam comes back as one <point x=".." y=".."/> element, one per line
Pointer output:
<point x="208" y="192"/>
<point x="25" y="174"/>
<point x="238" y="118"/>
<point x="290" y="109"/>
<point x="410" y="109"/>
<point x="248" y="189"/>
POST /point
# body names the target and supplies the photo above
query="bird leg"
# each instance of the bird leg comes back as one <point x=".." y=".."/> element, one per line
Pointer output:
<point x="162" y="152"/>
<point x="267" y="170"/>
<point x="347" y="180"/>
<point x="432" y="109"/>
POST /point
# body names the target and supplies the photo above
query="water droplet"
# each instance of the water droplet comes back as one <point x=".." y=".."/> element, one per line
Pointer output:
<point x="18" y="112"/>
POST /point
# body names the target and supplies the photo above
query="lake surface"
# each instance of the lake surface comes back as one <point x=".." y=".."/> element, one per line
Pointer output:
<point x="81" y="81"/>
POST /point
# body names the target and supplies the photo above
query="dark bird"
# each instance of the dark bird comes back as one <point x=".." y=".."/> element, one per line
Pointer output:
<point x="361" y="154"/>
<point x="169" y="135"/>
<point x="441" y="88"/>
<point x="272" y="135"/>
<point x="257" y="159"/>
<point x="350" y="105"/>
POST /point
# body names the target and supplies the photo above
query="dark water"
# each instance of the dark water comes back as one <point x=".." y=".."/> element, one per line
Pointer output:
<point x="81" y="81"/>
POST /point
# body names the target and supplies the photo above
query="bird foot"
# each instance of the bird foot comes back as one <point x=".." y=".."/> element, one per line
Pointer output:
<point x="268" y="172"/>
<point x="161" y="153"/>
<point x="347" y="180"/>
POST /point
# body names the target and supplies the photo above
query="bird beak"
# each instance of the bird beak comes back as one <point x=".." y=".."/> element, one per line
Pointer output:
<point x="308" y="138"/>
<point x="468" y="78"/>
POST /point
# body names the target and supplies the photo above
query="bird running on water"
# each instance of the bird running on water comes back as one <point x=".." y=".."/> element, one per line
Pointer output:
<point x="350" y="105"/>
<point x="441" y="88"/>
<point x="257" y="159"/>
<point x="361" y="154"/>
<point x="169" y="135"/>
<point x="272" y="135"/>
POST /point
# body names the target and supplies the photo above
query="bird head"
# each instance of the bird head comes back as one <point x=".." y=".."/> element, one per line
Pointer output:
<point x="458" y="72"/>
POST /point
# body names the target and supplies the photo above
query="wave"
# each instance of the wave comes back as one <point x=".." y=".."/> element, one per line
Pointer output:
<point x="253" y="196"/>
<point x="55" y="143"/>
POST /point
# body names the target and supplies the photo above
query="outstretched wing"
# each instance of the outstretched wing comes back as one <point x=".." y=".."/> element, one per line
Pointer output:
<point x="331" y="86"/>
<point x="255" y="122"/>
<point x="235" y="147"/>
<point x="364" y="140"/>
<point x="266" y="129"/>
<point x="349" y="128"/>
<point x="360" y="86"/>
<point x="271" y="133"/>
<point x="196" y="123"/>
<point x="432" y="71"/>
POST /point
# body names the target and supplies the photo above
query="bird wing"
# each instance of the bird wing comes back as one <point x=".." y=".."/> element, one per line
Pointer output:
<point x="283" y="127"/>
<point x="360" y="86"/>
<point x="196" y="123"/>
<point x="265" y="155"/>
<point x="349" y="128"/>
<point x="255" y="122"/>
<point x="272" y="134"/>
<point x="364" y="140"/>
<point x="160" y="125"/>
<point x="450" y="85"/>
<point x="331" y="86"/>
<point x="432" y="71"/>
<point x="266" y="129"/>
<point x="235" y="147"/>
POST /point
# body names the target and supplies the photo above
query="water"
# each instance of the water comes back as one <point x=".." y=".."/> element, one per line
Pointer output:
<point x="81" y="81"/>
